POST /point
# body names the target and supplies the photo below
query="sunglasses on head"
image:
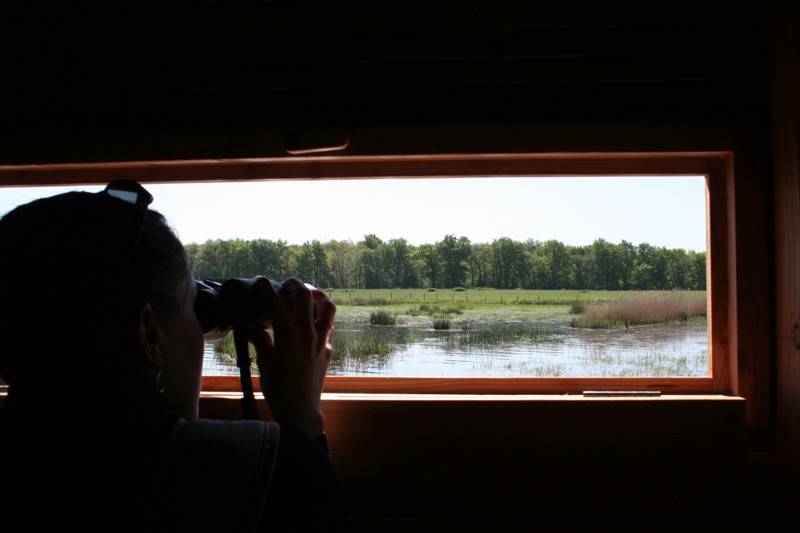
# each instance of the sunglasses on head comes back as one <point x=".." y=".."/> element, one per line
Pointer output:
<point x="137" y="196"/>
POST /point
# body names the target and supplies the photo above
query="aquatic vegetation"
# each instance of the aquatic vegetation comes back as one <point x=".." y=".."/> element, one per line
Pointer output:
<point x="382" y="317"/>
<point x="641" y="310"/>
<point x="502" y="335"/>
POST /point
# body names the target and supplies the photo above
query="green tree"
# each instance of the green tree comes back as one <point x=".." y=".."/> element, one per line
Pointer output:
<point x="312" y="265"/>
<point x="698" y="272"/>
<point x="627" y="253"/>
<point x="660" y="259"/>
<point x="582" y="262"/>
<point x="193" y="254"/>
<point x="342" y="259"/>
<point x="399" y="269"/>
<point x="429" y="264"/>
<point x="479" y="265"/>
<point x="686" y="270"/>
<point x="508" y="262"/>
<point x="644" y="275"/>
<point x="554" y="265"/>
<point x="370" y="262"/>
<point x="453" y="254"/>
<point x="271" y="258"/>
<point x="241" y="262"/>
<point x="607" y="265"/>
<point x="452" y="262"/>
<point x="212" y="259"/>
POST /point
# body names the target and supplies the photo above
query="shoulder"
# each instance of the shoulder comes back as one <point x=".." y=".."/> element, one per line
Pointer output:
<point x="252" y="436"/>
<point x="217" y="473"/>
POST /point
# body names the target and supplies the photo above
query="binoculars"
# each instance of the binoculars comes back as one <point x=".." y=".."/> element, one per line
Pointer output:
<point x="223" y="304"/>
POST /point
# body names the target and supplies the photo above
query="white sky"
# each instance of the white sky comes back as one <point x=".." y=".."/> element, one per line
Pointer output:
<point x="662" y="211"/>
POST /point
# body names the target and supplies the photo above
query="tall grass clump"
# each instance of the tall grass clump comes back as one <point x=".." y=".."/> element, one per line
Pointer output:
<point x="505" y="335"/>
<point x="368" y="301"/>
<point x="441" y="323"/>
<point x="638" y="311"/>
<point x="435" y="310"/>
<point x="538" y="369"/>
<point x="382" y="318"/>
<point x="225" y="350"/>
<point x="347" y="347"/>
<point x="649" y="364"/>
<point x="356" y="353"/>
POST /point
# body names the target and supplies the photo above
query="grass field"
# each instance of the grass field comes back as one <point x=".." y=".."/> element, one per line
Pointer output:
<point x="476" y="298"/>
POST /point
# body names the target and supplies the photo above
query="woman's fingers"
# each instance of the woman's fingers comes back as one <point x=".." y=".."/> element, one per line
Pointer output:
<point x="294" y="362"/>
<point x="324" y="322"/>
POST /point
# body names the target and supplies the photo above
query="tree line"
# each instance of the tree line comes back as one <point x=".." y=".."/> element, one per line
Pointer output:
<point x="453" y="262"/>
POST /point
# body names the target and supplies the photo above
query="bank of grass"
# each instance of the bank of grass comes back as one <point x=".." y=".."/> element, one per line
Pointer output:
<point x="467" y="299"/>
<point x="650" y="309"/>
<point x="471" y="299"/>
<point x="498" y="310"/>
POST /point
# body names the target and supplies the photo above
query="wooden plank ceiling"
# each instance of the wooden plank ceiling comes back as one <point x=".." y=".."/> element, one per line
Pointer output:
<point x="152" y="66"/>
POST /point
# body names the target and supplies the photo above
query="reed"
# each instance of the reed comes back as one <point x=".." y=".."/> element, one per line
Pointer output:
<point x="532" y="369"/>
<point x="504" y="335"/>
<point x="225" y="350"/>
<point x="441" y="323"/>
<point x="636" y="311"/>
<point x="435" y="310"/>
<point x="351" y="347"/>
<point x="345" y="348"/>
<point x="382" y="317"/>
<point x="648" y="364"/>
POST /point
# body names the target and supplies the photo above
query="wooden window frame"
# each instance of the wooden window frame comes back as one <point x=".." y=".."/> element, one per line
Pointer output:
<point x="716" y="166"/>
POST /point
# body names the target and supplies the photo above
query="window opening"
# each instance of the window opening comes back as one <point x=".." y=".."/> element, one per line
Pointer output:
<point x="519" y="277"/>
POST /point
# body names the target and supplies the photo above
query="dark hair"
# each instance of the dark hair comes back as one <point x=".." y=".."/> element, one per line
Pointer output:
<point x="65" y="288"/>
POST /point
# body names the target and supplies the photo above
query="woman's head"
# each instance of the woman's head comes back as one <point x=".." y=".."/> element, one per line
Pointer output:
<point x="76" y="268"/>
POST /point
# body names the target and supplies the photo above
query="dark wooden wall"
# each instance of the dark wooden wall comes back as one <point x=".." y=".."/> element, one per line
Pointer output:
<point x="785" y="43"/>
<point x="539" y="463"/>
<point x="225" y="68"/>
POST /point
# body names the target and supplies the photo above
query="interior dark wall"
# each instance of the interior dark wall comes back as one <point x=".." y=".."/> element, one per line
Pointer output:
<point x="166" y="68"/>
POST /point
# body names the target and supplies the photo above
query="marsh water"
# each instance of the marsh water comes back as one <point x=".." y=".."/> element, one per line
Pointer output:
<point x="413" y="348"/>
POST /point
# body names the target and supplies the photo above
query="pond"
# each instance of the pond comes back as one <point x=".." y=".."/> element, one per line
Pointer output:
<point x="527" y="347"/>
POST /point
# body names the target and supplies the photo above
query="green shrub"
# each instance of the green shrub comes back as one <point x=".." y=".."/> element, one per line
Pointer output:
<point x="382" y="318"/>
<point x="435" y="310"/>
<point x="368" y="301"/>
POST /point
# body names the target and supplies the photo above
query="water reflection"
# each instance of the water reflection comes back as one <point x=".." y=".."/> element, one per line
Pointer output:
<point x="659" y="350"/>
